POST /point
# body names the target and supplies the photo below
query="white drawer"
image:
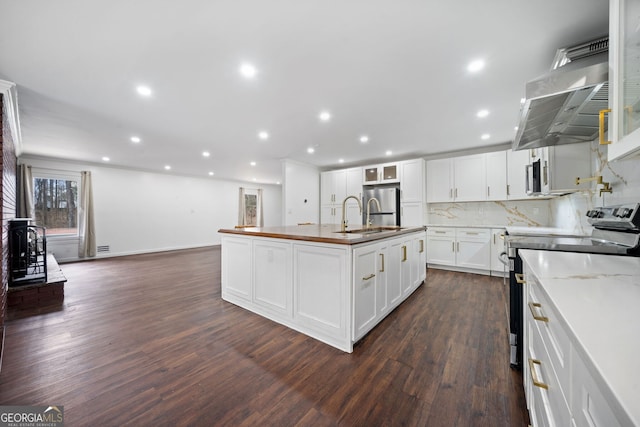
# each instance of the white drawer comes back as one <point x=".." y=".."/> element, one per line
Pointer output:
<point x="555" y="339"/>
<point x="441" y="232"/>
<point x="548" y="401"/>
<point x="476" y="233"/>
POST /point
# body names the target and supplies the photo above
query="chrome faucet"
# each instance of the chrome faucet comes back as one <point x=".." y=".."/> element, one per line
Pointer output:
<point x="344" y="220"/>
<point x="368" y="223"/>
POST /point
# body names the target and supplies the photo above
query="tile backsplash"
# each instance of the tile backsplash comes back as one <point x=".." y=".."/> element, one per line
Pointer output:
<point x="528" y="213"/>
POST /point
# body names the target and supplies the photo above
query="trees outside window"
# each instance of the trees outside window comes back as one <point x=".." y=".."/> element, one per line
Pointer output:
<point x="55" y="202"/>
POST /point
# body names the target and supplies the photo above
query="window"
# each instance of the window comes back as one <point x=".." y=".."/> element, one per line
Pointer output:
<point x="55" y="203"/>
<point x="250" y="209"/>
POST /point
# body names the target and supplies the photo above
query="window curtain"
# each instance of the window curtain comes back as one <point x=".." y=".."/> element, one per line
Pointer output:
<point x="259" y="214"/>
<point x="242" y="218"/>
<point x="25" y="192"/>
<point x="86" y="226"/>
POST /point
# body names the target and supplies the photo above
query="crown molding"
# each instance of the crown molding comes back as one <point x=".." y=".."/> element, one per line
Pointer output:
<point x="10" y="94"/>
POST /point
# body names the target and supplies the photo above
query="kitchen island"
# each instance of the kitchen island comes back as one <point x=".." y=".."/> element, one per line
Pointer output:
<point x="330" y="285"/>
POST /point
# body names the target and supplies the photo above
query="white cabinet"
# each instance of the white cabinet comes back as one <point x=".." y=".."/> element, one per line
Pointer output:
<point x="335" y="186"/>
<point x="237" y="265"/>
<point x="412" y="192"/>
<point x="272" y="285"/>
<point x="496" y="167"/>
<point x="460" y="179"/>
<point x="562" y="384"/>
<point x="464" y="249"/>
<point x="624" y="68"/>
<point x="470" y="178"/>
<point x="381" y="174"/>
<point x="497" y="247"/>
<point x="561" y="164"/>
<point x="517" y="162"/>
<point x="385" y="274"/>
<point x="439" y="181"/>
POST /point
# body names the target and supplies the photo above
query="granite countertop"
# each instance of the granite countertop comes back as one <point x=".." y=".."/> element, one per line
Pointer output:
<point x="598" y="297"/>
<point x="327" y="233"/>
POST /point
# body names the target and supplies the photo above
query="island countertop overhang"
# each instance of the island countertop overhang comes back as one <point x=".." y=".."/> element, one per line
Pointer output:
<point x="327" y="233"/>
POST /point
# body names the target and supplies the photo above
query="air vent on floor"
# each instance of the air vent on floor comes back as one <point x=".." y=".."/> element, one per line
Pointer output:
<point x="104" y="248"/>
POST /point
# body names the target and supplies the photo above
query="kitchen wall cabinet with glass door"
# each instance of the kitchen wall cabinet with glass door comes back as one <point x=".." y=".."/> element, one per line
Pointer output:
<point x="381" y="174"/>
<point x="624" y="80"/>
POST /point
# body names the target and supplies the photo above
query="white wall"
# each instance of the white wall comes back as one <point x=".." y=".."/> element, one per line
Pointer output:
<point x="301" y="193"/>
<point x="138" y="212"/>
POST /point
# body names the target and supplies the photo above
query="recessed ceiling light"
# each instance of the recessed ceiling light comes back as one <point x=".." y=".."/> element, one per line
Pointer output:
<point x="310" y="150"/>
<point x="144" y="90"/>
<point x="482" y="113"/>
<point x="167" y="167"/>
<point x="252" y="163"/>
<point x="263" y="135"/>
<point x="135" y="139"/>
<point x="206" y="153"/>
<point x="248" y="70"/>
<point x="254" y="179"/>
<point x="364" y="139"/>
<point x="340" y="160"/>
<point x="325" y="116"/>
<point x="277" y="182"/>
<point x="485" y="136"/>
<point x="388" y="152"/>
<point x="515" y="128"/>
<point x="105" y="159"/>
<point x="211" y="174"/>
<point x="475" y="66"/>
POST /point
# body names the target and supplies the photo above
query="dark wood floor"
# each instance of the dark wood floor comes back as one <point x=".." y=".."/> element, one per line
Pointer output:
<point x="147" y="340"/>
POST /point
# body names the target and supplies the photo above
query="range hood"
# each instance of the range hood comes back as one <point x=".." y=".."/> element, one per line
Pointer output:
<point x="562" y="106"/>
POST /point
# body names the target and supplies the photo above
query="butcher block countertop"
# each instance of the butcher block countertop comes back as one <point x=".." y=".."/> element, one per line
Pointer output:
<point x="327" y="233"/>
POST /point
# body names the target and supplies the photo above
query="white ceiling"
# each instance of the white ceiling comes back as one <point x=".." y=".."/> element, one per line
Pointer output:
<point x="394" y="70"/>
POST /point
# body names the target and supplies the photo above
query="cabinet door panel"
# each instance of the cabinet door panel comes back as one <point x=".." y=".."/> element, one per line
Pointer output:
<point x="473" y="254"/>
<point x="364" y="292"/>
<point x="516" y="175"/>
<point x="496" y="175"/>
<point x="441" y="250"/>
<point x="394" y="274"/>
<point x="470" y="178"/>
<point x="237" y="266"/>
<point x="272" y="282"/>
<point x="439" y="185"/>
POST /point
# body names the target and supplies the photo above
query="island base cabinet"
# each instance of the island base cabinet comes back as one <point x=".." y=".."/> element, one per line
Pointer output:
<point x="322" y="292"/>
<point x="272" y="276"/>
<point x="365" y="288"/>
<point x="237" y="267"/>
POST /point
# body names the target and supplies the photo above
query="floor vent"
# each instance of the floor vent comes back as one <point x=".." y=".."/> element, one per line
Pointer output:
<point x="104" y="248"/>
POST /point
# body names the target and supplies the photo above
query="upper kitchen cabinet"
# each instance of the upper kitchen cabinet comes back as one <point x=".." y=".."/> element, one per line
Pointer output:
<point x="624" y="80"/>
<point x="517" y="162"/>
<point x="460" y="179"/>
<point x="496" y="167"/>
<point x="412" y="192"/>
<point x="335" y="186"/>
<point x="381" y="174"/>
<point x="558" y="167"/>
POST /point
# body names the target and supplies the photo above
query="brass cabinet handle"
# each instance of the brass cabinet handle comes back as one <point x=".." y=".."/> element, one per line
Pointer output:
<point x="439" y="232"/>
<point x="421" y="245"/>
<point x="457" y="246"/>
<point x="455" y="193"/>
<point x="382" y="262"/>
<point x="502" y="236"/>
<point x="520" y="279"/>
<point x="508" y="190"/>
<point x="404" y="253"/>
<point x="451" y="193"/>
<point x="488" y="191"/>
<point x="601" y="126"/>
<point x="371" y="276"/>
<point x="453" y="246"/>
<point x="532" y="307"/>
<point x="471" y="233"/>
<point x="534" y="375"/>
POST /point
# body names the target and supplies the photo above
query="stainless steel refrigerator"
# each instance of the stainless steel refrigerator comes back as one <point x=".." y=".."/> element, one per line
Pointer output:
<point x="389" y="198"/>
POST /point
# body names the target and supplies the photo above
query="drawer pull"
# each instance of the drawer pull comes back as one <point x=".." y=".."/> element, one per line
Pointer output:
<point x="520" y="279"/>
<point x="534" y="375"/>
<point x="381" y="263"/>
<point x="404" y="253"/>
<point x="439" y="232"/>
<point x="540" y="317"/>
<point x="371" y="276"/>
<point x="421" y="245"/>
<point x="471" y="233"/>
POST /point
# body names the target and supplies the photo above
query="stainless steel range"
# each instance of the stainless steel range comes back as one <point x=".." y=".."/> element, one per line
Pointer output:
<point x="616" y="232"/>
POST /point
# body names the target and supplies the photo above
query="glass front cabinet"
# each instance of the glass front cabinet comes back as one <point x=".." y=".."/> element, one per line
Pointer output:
<point x="624" y="79"/>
